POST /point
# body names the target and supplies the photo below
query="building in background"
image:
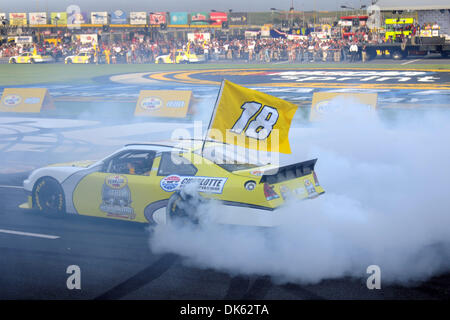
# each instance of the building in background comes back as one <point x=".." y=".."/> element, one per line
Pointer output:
<point x="425" y="12"/>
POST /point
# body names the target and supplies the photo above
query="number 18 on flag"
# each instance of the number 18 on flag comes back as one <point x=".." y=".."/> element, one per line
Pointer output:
<point x="251" y="119"/>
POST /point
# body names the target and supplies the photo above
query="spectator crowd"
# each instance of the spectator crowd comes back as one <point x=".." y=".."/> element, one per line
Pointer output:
<point x="304" y="49"/>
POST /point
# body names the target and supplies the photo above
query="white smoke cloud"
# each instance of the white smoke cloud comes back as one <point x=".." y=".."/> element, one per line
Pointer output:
<point x="386" y="203"/>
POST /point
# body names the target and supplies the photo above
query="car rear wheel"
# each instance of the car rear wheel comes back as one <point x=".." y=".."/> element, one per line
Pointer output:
<point x="69" y="61"/>
<point x="48" y="197"/>
<point x="181" y="209"/>
<point x="13" y="61"/>
<point x="160" y="61"/>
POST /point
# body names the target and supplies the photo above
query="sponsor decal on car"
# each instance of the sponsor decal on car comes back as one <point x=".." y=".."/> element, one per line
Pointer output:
<point x="309" y="187"/>
<point x="204" y="184"/>
<point x="170" y="183"/>
<point x="116" y="198"/>
<point x="12" y="100"/>
<point x="116" y="181"/>
<point x="285" y="192"/>
<point x="151" y="103"/>
<point x="257" y="173"/>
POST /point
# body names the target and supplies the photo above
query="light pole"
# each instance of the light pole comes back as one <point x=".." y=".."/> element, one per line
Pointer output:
<point x="274" y="10"/>
<point x="354" y="9"/>
<point x="56" y="19"/>
<point x="4" y="21"/>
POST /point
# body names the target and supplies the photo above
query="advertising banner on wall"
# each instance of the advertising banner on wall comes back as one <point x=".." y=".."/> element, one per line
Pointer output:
<point x="218" y="17"/>
<point x="76" y="18"/>
<point x="24" y="39"/>
<point x="178" y="18"/>
<point x="2" y="16"/>
<point x="88" y="38"/>
<point x="59" y="18"/>
<point x="138" y="18"/>
<point x="158" y="18"/>
<point x="35" y="18"/>
<point x="199" y="18"/>
<point x="18" y="19"/>
<point x="25" y="100"/>
<point x="237" y="18"/>
<point x="163" y="103"/>
<point x="199" y="36"/>
<point x="118" y="17"/>
<point x="99" y="17"/>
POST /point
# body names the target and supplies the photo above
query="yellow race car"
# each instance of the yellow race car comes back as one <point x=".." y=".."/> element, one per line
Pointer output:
<point x="29" y="57"/>
<point x="180" y="57"/>
<point x="82" y="57"/>
<point x="147" y="182"/>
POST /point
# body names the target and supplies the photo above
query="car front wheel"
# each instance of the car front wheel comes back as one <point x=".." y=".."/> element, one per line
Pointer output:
<point x="48" y="197"/>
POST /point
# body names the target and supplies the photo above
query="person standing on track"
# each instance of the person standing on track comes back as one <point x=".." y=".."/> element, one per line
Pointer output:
<point x="353" y="51"/>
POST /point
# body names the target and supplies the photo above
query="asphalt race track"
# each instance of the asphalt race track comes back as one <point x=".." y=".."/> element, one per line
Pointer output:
<point x="114" y="256"/>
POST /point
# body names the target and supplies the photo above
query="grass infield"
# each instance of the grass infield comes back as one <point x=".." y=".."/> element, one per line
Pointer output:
<point x="11" y="75"/>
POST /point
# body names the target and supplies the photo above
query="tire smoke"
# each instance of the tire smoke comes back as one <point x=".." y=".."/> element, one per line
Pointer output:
<point x="387" y="203"/>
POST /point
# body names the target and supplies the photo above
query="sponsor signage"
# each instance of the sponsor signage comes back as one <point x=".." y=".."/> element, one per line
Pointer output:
<point x="296" y="37"/>
<point x="100" y="17"/>
<point x="163" y="103"/>
<point x="327" y="103"/>
<point x="237" y="18"/>
<point x="37" y="18"/>
<point x="24" y="39"/>
<point x="17" y="19"/>
<point x="76" y="18"/>
<point x="251" y="34"/>
<point x="425" y="33"/>
<point x="87" y="38"/>
<point x="265" y="31"/>
<point x="59" y="18"/>
<point x="138" y="18"/>
<point x="400" y="21"/>
<point x="204" y="184"/>
<point x="198" y="18"/>
<point x="345" y="23"/>
<point x="199" y="36"/>
<point x="158" y="18"/>
<point x="217" y="18"/>
<point x="25" y="100"/>
<point x="118" y="17"/>
<point x="178" y="18"/>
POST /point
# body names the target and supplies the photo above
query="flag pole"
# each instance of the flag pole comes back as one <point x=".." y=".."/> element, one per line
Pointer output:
<point x="213" y="114"/>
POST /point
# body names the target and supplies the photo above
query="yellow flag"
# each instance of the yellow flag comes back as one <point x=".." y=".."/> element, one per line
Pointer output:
<point x="251" y="119"/>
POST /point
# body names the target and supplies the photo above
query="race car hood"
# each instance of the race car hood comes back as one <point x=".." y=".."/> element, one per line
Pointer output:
<point x="81" y="164"/>
<point x="60" y="172"/>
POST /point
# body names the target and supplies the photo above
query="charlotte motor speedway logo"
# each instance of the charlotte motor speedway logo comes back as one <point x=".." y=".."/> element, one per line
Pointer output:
<point x="333" y="78"/>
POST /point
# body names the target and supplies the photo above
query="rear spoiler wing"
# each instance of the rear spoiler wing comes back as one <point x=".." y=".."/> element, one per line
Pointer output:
<point x="289" y="172"/>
